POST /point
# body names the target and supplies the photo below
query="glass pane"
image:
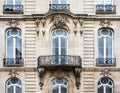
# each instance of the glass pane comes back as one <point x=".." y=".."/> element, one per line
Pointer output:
<point x="9" y="2"/>
<point x="18" y="48"/>
<point x="18" y="89"/>
<point x="63" y="42"/>
<point x="18" y="2"/>
<point x="55" y="1"/>
<point x="14" y="80"/>
<point x="63" y="89"/>
<point x="101" y="2"/>
<point x="10" y="90"/>
<point x="10" y="48"/>
<point x="108" y="2"/>
<point x="104" y="32"/>
<point x="55" y="90"/>
<point x="63" y="2"/>
<point x="108" y="89"/>
<point x="101" y="48"/>
<point x="14" y="32"/>
<point x="108" y="47"/>
<point x="100" y="89"/>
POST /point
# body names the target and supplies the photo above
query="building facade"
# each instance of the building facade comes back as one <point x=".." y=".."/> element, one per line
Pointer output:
<point x="59" y="46"/>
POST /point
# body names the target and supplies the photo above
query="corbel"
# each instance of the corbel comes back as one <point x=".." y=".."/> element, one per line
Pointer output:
<point x="41" y="76"/>
<point x="75" y="22"/>
<point x="81" y="22"/>
<point x="77" y="76"/>
<point x="37" y="21"/>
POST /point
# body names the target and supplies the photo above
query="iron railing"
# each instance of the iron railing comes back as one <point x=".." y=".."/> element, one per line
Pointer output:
<point x="105" y="9"/>
<point x="12" y="9"/>
<point x="13" y="62"/>
<point x="59" y="60"/>
<point x="59" y="7"/>
<point x="106" y="61"/>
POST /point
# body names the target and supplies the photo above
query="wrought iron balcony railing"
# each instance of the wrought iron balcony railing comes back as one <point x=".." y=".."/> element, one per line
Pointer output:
<point x="12" y="9"/>
<point x="59" y="7"/>
<point x="106" y="62"/>
<point x="11" y="62"/>
<point x="105" y="9"/>
<point x="59" y="61"/>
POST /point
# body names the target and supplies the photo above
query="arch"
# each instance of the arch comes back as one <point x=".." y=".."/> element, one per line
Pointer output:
<point x="59" y="45"/>
<point x="13" y="85"/>
<point x="105" y="85"/>
<point x="105" y="45"/>
<point x="59" y="85"/>
<point x="13" y="44"/>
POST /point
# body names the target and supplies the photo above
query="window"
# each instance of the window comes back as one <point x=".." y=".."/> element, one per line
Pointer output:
<point x="14" y="85"/>
<point x="59" y="1"/>
<point x="59" y="45"/>
<point x="105" y="44"/>
<point x="13" y="43"/>
<point x="13" y="2"/>
<point x="105" y="85"/>
<point x="59" y="85"/>
<point x="105" y="2"/>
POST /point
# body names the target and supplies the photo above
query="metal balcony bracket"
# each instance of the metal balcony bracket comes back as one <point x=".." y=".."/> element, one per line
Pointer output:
<point x="41" y="75"/>
<point x="77" y="76"/>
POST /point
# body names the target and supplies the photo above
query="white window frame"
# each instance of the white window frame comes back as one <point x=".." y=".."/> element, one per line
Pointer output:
<point x="105" y="2"/>
<point x="13" y="85"/>
<point x="59" y="85"/>
<point x="14" y="2"/>
<point x="59" y="2"/>
<point x="14" y="43"/>
<point x="105" y="36"/>
<point x="105" y="84"/>
<point x="59" y="40"/>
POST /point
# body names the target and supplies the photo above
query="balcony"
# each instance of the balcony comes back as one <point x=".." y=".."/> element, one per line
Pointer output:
<point x="12" y="9"/>
<point x="105" y="9"/>
<point x="12" y="62"/>
<point x="106" y="62"/>
<point x="60" y="61"/>
<point x="59" y="7"/>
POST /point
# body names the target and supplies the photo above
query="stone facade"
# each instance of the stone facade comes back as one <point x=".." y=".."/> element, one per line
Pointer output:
<point x="82" y="21"/>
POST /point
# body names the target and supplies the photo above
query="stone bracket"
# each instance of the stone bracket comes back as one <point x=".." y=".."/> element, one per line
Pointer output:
<point x="41" y="75"/>
<point x="77" y="72"/>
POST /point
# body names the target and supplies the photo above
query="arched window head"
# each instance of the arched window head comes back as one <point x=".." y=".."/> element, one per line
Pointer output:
<point x="105" y="45"/>
<point x="13" y="44"/>
<point x="59" y="85"/>
<point x="105" y="85"/>
<point x="59" y="44"/>
<point x="13" y="85"/>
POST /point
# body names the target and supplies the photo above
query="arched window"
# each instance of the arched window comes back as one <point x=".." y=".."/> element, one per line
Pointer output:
<point x="59" y="44"/>
<point x="105" y="45"/>
<point x="105" y="85"/>
<point x="13" y="44"/>
<point x="14" y="85"/>
<point x="59" y="85"/>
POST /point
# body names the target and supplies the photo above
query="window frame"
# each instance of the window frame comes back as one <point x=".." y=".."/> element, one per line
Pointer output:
<point x="59" y="41"/>
<point x="105" y="84"/>
<point x="13" y="2"/>
<point x="59" y="2"/>
<point x="104" y="41"/>
<point x="105" y="2"/>
<point x="14" y="37"/>
<point x="59" y="85"/>
<point x="16" y="85"/>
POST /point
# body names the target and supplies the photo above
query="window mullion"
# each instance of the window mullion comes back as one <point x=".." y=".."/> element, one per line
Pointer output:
<point x="14" y="45"/>
<point x="104" y="47"/>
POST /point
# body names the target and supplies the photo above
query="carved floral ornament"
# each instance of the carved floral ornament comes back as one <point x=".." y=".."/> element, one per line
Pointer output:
<point x="59" y="20"/>
<point x="105" y="23"/>
<point x="13" y="23"/>
<point x="13" y="73"/>
<point x="105" y="73"/>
